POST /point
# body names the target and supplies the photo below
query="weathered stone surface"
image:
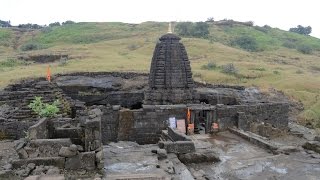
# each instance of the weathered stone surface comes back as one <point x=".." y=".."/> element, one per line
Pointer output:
<point x="178" y="147"/>
<point x="53" y="171"/>
<point x="18" y="144"/>
<point x="198" y="157"/>
<point x="177" y="136"/>
<point x="84" y="160"/>
<point x="66" y="152"/>
<point x="47" y="147"/>
<point x="22" y="153"/>
<point x="162" y="154"/>
<point x="73" y="148"/>
<point x="47" y="161"/>
<point x="312" y="145"/>
<point x="31" y="166"/>
<point x="39" y="130"/>
<point x="45" y="177"/>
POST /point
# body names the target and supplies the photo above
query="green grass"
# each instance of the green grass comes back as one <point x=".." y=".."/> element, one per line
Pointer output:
<point x="5" y="37"/>
<point x="128" y="47"/>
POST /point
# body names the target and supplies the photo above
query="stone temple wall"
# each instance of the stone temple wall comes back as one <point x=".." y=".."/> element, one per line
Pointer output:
<point x="144" y="125"/>
<point x="242" y="116"/>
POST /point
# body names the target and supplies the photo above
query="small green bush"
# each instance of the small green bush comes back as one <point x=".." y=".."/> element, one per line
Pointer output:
<point x="246" y="42"/>
<point x="30" y="47"/>
<point x="63" y="61"/>
<point x="289" y="44"/>
<point x="276" y="72"/>
<point x="11" y="63"/>
<point x="44" y="109"/>
<point x="210" y="66"/>
<point x="262" y="29"/>
<point x="305" y="49"/>
<point x="229" y="69"/>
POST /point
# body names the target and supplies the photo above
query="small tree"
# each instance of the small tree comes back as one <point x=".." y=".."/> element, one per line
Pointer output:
<point x="301" y="30"/>
<point x="201" y="30"/>
<point x="305" y="49"/>
<point x="54" y="24"/>
<point x="68" y="22"/>
<point x="210" y="19"/>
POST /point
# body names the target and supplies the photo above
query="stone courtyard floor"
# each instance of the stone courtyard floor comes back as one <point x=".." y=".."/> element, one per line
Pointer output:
<point x="239" y="160"/>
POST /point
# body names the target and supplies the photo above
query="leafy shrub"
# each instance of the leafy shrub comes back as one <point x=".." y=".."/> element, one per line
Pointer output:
<point x="54" y="24"/>
<point x="190" y="29"/>
<point x="46" y="29"/>
<point x="276" y="72"/>
<point x="11" y="63"/>
<point x="289" y="44"/>
<point x="209" y="66"/>
<point x="44" y="109"/>
<point x="305" y="49"/>
<point x="246" y="42"/>
<point x="229" y="69"/>
<point x="63" y="61"/>
<point x="68" y="22"/>
<point x="262" y="29"/>
<point x="30" y="47"/>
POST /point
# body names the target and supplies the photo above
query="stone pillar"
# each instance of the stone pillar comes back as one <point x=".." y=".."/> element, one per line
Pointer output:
<point x="93" y="134"/>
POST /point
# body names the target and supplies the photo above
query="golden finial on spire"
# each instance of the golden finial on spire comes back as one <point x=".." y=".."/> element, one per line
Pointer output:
<point x="169" y="28"/>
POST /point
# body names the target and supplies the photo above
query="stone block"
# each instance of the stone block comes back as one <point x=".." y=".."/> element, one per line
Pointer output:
<point x="178" y="147"/>
<point x="66" y="152"/>
<point x="39" y="130"/>
<point x="48" y="147"/>
<point x="312" y="145"/>
<point x="84" y="160"/>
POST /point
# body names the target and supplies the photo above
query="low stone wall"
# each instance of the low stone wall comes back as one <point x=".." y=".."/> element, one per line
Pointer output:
<point x="177" y="136"/>
<point x="64" y="145"/>
<point x="145" y="125"/>
<point x="275" y="114"/>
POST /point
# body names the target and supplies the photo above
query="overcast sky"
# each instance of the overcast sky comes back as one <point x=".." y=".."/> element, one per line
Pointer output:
<point x="276" y="13"/>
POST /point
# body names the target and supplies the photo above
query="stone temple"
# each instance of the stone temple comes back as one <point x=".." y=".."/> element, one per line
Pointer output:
<point x="170" y="79"/>
<point x="102" y="107"/>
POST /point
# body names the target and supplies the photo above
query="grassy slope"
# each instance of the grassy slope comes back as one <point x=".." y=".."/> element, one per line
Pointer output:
<point x="125" y="47"/>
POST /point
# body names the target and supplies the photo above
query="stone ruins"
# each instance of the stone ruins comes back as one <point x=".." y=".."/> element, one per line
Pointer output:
<point x="105" y="107"/>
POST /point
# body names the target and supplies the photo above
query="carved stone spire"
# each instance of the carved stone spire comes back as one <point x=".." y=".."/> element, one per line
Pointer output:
<point x="170" y="79"/>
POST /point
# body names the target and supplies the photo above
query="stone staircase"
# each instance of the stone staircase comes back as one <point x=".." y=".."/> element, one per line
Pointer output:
<point x="20" y="96"/>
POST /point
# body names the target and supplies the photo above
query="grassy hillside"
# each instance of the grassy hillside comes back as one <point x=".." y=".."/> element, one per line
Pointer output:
<point x="128" y="47"/>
